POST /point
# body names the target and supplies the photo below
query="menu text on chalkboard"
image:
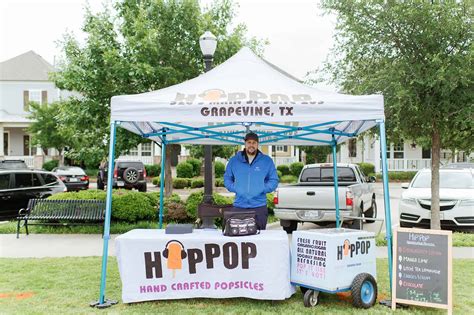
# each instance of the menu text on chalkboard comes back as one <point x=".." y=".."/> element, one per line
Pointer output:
<point x="422" y="267"/>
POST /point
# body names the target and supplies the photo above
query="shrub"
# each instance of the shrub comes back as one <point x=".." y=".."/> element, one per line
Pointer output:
<point x="176" y="212"/>
<point x="48" y="166"/>
<point x="132" y="206"/>
<point x="153" y="170"/>
<point x="288" y="179"/>
<point x="81" y="195"/>
<point x="367" y="168"/>
<point x="399" y="176"/>
<point x="280" y="174"/>
<point x="222" y="200"/>
<point x="295" y="168"/>
<point x="154" y="198"/>
<point x="127" y="205"/>
<point x="156" y="181"/>
<point x="91" y="171"/>
<point x="284" y="169"/>
<point x="219" y="169"/>
<point x="219" y="182"/>
<point x="192" y="203"/>
<point x="197" y="182"/>
<point x="196" y="198"/>
<point x="184" y="170"/>
<point x="180" y="183"/>
<point x="196" y="166"/>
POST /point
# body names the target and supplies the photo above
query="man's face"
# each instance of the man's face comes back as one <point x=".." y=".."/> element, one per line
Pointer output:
<point x="251" y="147"/>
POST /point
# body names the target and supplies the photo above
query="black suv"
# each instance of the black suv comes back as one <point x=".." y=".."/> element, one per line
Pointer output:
<point x="127" y="174"/>
<point x="17" y="187"/>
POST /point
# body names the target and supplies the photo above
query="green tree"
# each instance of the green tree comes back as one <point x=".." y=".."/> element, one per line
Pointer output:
<point x="316" y="154"/>
<point x="45" y="128"/>
<point x="134" y="47"/>
<point x="419" y="55"/>
<point x="222" y="151"/>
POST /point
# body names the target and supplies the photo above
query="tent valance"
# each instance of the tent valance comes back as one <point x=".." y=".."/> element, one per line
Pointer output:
<point x="246" y="92"/>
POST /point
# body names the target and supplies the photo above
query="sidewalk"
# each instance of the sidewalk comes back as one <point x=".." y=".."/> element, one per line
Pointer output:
<point x="81" y="245"/>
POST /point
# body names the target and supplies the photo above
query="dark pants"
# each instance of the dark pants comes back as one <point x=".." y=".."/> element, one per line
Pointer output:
<point x="261" y="214"/>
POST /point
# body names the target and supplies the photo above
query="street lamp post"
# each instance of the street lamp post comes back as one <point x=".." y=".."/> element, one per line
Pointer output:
<point x="208" y="44"/>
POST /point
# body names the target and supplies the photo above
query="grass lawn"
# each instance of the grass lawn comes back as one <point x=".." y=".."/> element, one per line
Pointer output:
<point x="67" y="285"/>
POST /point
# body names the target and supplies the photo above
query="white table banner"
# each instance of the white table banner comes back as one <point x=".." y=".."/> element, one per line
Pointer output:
<point x="158" y="266"/>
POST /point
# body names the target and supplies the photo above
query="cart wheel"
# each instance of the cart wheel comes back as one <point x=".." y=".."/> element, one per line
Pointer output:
<point x="303" y="290"/>
<point x="311" y="298"/>
<point x="364" y="291"/>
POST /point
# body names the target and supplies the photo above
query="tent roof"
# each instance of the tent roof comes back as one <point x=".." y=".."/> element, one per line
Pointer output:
<point x="246" y="93"/>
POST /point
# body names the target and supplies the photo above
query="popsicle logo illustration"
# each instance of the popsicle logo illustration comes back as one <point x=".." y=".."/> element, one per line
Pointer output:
<point x="347" y="246"/>
<point x="351" y="250"/>
<point x="174" y="253"/>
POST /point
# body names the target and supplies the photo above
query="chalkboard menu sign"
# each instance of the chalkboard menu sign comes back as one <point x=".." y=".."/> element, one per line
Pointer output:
<point x="422" y="268"/>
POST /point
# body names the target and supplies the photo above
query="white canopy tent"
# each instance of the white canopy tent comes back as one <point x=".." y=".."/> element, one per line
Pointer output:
<point x="244" y="93"/>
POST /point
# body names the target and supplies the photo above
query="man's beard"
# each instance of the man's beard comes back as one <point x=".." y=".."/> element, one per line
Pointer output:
<point x="253" y="152"/>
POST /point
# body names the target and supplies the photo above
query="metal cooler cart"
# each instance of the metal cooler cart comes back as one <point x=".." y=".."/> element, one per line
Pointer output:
<point x="334" y="260"/>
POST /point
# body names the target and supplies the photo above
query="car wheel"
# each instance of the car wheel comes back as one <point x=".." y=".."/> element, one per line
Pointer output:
<point x="130" y="175"/>
<point x="371" y="212"/>
<point x="291" y="227"/>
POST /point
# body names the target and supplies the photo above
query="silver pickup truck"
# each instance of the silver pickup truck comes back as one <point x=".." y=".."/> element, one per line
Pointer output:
<point x="312" y="198"/>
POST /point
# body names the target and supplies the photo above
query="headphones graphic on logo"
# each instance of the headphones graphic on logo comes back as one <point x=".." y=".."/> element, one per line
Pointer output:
<point x="169" y="247"/>
<point x="174" y="253"/>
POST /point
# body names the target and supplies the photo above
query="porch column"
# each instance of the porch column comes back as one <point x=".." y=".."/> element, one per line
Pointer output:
<point x="377" y="155"/>
<point x="2" y="153"/>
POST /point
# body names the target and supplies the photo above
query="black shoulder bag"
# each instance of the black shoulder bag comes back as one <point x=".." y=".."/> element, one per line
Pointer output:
<point x="240" y="223"/>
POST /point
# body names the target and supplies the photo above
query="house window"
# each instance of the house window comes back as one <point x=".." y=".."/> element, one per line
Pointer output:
<point x="352" y="147"/>
<point x="426" y="153"/>
<point x="146" y="149"/>
<point x="398" y="152"/>
<point x="282" y="148"/>
<point x="26" y="145"/>
<point x="133" y="152"/>
<point x="35" y="96"/>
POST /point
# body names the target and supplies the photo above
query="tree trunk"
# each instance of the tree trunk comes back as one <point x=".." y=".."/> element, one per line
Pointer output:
<point x="435" y="157"/>
<point x="61" y="157"/>
<point x="168" y="175"/>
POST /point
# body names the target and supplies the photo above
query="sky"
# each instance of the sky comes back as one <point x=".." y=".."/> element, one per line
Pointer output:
<point x="300" y="36"/>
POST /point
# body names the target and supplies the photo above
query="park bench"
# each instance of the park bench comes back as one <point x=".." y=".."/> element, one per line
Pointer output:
<point x="61" y="212"/>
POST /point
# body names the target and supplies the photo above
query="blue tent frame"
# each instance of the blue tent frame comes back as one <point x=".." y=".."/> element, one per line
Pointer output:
<point x="236" y="138"/>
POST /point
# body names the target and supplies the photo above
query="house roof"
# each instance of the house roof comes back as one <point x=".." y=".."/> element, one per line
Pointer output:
<point x="26" y="67"/>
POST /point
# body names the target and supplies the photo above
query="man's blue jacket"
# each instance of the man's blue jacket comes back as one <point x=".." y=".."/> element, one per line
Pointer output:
<point x="250" y="182"/>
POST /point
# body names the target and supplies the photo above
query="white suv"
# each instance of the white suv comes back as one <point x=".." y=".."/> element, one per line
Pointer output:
<point x="456" y="200"/>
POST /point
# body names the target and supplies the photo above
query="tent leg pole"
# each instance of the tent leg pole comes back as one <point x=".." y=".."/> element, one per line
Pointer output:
<point x="102" y="303"/>
<point x="386" y="196"/>
<point x="336" y="183"/>
<point x="162" y="181"/>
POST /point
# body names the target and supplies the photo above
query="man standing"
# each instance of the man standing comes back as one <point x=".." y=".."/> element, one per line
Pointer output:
<point x="250" y="174"/>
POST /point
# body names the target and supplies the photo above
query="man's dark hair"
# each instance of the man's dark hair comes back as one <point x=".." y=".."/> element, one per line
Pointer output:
<point x="251" y="136"/>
